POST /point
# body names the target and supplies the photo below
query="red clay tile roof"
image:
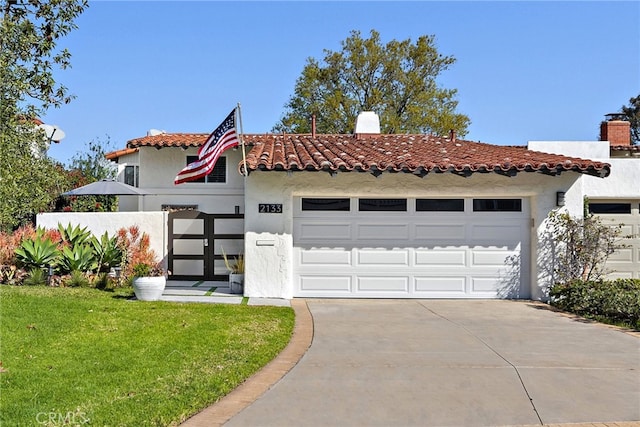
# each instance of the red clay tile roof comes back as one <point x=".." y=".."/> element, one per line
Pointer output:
<point x="119" y="153"/>
<point x="419" y="154"/>
<point x="169" y="140"/>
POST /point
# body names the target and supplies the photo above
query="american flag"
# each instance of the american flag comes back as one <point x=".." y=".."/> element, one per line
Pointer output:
<point x="221" y="139"/>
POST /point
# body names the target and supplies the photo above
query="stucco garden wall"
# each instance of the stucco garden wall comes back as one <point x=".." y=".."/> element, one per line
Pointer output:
<point x="152" y="223"/>
<point x="268" y="237"/>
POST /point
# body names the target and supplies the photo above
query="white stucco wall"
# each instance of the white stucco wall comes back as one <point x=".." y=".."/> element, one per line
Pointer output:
<point x="622" y="183"/>
<point x="268" y="237"/>
<point x="584" y="149"/>
<point x="158" y="168"/>
<point x="152" y="223"/>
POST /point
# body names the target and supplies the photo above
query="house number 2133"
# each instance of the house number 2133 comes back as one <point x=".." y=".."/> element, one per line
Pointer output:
<point x="270" y="207"/>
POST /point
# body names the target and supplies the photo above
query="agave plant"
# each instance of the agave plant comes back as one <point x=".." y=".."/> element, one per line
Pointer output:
<point x="107" y="252"/>
<point x="74" y="235"/>
<point x="37" y="252"/>
<point x="77" y="258"/>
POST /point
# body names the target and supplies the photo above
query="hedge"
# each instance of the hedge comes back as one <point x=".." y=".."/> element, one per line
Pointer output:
<point x="616" y="300"/>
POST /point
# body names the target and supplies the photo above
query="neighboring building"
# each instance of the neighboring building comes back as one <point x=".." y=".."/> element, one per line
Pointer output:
<point x="365" y="215"/>
<point x="617" y="198"/>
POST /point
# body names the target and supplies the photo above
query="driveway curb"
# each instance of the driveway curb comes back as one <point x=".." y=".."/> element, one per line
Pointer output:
<point x="245" y="394"/>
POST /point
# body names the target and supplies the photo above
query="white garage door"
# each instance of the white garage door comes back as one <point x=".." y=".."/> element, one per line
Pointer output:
<point x="625" y="262"/>
<point x="411" y="248"/>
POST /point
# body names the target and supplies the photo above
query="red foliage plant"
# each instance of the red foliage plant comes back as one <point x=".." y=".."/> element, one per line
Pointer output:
<point x="9" y="242"/>
<point x="137" y="249"/>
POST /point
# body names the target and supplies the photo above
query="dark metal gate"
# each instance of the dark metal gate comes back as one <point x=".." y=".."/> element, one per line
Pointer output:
<point x="196" y="242"/>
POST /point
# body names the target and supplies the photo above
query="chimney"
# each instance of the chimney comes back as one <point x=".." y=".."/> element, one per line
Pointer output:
<point x="452" y="135"/>
<point x="367" y="124"/>
<point x="616" y="130"/>
<point x="313" y="125"/>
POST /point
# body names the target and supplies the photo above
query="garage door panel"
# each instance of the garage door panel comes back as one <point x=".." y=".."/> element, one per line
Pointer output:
<point x="440" y="258"/>
<point x="439" y="232"/>
<point x="440" y="284"/>
<point x="622" y="255"/>
<point x="496" y="233"/>
<point x="325" y="257"/>
<point x="325" y="284"/>
<point x="486" y="285"/>
<point x="324" y="232"/>
<point x="382" y="257"/>
<point x="382" y="232"/>
<point x="381" y="284"/>
<point x="489" y="258"/>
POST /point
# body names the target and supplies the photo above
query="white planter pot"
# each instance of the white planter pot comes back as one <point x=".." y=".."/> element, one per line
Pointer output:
<point x="236" y="283"/>
<point x="149" y="288"/>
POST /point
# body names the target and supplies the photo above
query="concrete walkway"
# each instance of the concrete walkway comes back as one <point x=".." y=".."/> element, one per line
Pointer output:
<point x="444" y="363"/>
<point x="211" y="292"/>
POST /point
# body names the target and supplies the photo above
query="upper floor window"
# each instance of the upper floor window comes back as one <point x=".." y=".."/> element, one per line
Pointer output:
<point x="132" y="175"/>
<point x="217" y="175"/>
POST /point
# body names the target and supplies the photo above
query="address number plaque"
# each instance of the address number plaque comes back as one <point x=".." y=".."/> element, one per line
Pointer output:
<point x="270" y="207"/>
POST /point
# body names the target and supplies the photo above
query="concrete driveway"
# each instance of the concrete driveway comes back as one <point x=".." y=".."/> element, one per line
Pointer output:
<point x="453" y="363"/>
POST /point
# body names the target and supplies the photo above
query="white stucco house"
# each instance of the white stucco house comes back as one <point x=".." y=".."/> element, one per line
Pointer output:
<point x="368" y="215"/>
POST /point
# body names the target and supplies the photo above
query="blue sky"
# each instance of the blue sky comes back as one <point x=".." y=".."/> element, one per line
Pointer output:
<point x="541" y="70"/>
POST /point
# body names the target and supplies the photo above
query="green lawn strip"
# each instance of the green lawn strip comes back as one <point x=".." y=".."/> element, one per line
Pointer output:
<point x="245" y="301"/>
<point x="210" y="291"/>
<point x="122" y="362"/>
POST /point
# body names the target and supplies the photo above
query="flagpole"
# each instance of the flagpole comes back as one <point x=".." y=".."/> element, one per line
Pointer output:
<point x="245" y="172"/>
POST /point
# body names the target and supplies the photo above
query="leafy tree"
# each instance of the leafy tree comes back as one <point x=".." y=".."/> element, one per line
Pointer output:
<point x="87" y="167"/>
<point x="397" y="80"/>
<point x="632" y="111"/>
<point x="29" y="32"/>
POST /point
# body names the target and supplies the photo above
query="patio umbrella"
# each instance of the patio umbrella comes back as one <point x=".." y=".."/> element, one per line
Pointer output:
<point x="106" y="187"/>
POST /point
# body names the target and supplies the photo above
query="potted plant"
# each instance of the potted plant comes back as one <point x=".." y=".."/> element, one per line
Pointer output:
<point x="149" y="281"/>
<point x="236" y="272"/>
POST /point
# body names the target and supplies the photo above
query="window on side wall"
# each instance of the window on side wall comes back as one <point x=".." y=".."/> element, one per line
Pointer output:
<point x="132" y="175"/>
<point x="218" y="174"/>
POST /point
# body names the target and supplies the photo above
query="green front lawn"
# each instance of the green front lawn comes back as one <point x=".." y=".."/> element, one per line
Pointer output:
<point x="97" y="358"/>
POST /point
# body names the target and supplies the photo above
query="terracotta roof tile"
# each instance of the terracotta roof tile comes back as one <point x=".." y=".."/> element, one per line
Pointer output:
<point x="169" y="140"/>
<point x="419" y="154"/>
<point x="119" y="153"/>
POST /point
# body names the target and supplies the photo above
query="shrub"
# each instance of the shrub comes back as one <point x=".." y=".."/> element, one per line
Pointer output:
<point x="9" y="242"/>
<point x="617" y="300"/>
<point x="582" y="245"/>
<point x="77" y="279"/>
<point x="136" y="249"/>
<point x="36" y="277"/>
<point x="102" y="281"/>
<point x="12" y="275"/>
